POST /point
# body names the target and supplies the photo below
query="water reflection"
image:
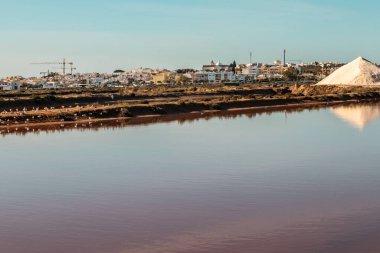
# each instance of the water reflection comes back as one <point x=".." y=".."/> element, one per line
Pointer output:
<point x="358" y="116"/>
<point x="96" y="125"/>
<point x="214" y="186"/>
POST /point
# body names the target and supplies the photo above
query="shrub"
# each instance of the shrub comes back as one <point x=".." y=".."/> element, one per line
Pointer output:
<point x="215" y="106"/>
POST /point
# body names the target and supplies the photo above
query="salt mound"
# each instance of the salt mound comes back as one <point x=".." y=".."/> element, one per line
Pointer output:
<point x="359" y="72"/>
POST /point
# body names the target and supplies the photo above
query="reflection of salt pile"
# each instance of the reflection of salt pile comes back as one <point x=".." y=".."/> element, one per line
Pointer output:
<point x="358" y="72"/>
<point x="358" y="116"/>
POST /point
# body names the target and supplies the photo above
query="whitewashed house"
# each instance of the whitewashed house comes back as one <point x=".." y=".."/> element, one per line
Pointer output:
<point x="51" y="85"/>
<point x="8" y="86"/>
<point x="214" y="77"/>
<point x="250" y="70"/>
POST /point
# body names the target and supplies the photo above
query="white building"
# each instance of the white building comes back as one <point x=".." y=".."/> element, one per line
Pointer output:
<point x="217" y="73"/>
<point x="7" y="86"/>
<point x="51" y="85"/>
<point x="216" y="67"/>
<point x="214" y="77"/>
<point x="250" y="70"/>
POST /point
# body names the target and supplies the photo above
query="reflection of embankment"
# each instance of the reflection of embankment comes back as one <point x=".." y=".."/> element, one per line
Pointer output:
<point x="115" y="123"/>
<point x="358" y="116"/>
<point x="41" y="110"/>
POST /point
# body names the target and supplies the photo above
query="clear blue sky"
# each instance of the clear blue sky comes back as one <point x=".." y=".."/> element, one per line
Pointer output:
<point x="103" y="35"/>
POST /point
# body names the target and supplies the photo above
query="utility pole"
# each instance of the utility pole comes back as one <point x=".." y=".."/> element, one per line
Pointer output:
<point x="64" y="67"/>
<point x="284" y="57"/>
<point x="250" y="58"/>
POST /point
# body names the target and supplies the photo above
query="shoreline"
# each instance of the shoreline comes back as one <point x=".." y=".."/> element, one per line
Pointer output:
<point x="34" y="110"/>
<point x="97" y="123"/>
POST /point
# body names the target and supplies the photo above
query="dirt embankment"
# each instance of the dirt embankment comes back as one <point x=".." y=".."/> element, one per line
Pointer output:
<point x="70" y="106"/>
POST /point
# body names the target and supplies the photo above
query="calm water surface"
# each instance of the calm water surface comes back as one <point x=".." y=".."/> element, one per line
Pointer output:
<point x="279" y="183"/>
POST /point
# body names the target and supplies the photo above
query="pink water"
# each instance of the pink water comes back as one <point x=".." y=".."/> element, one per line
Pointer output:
<point x="300" y="182"/>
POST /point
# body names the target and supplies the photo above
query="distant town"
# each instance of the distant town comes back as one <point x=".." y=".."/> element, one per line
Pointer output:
<point x="214" y="72"/>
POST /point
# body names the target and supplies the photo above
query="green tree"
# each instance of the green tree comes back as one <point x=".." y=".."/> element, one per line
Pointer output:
<point x="233" y="67"/>
<point x="291" y="74"/>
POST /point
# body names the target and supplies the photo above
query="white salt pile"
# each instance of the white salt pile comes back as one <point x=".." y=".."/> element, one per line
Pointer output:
<point x="359" y="72"/>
